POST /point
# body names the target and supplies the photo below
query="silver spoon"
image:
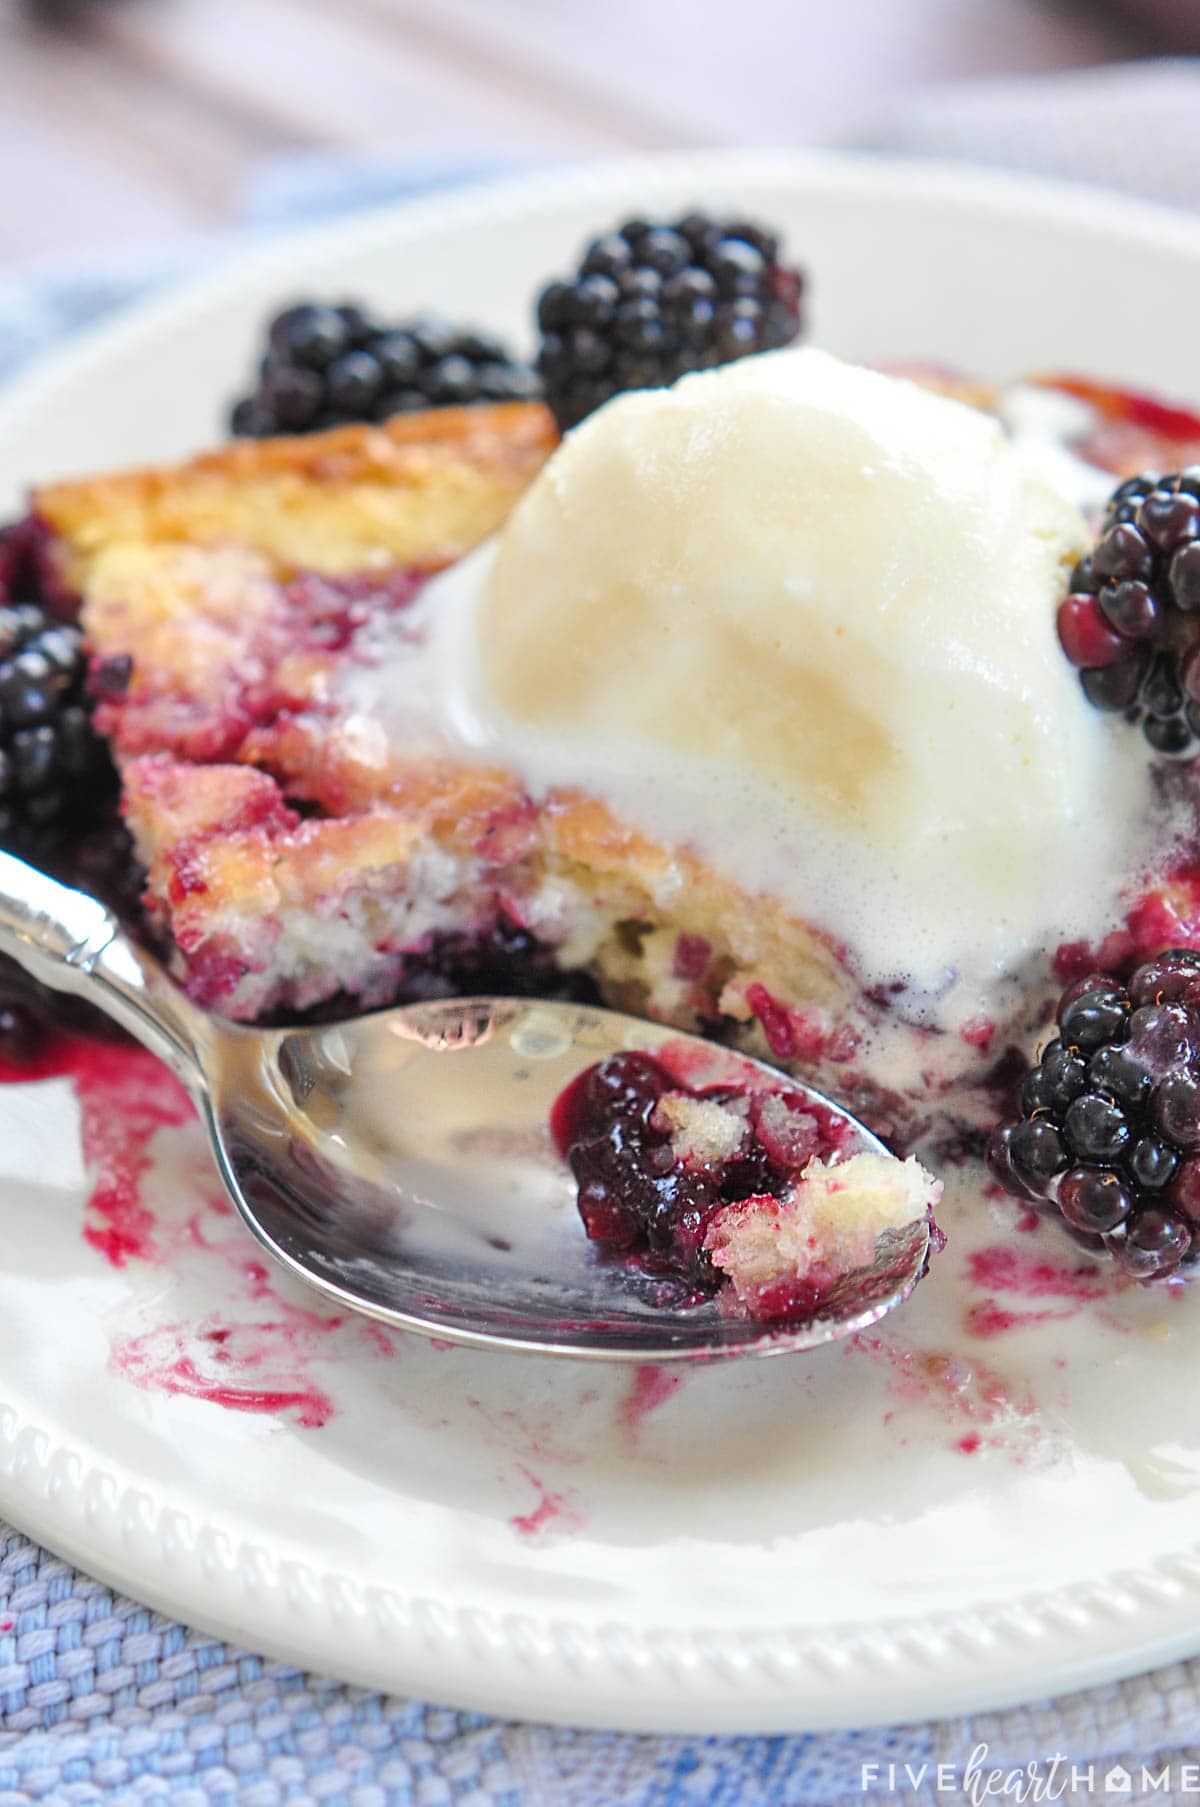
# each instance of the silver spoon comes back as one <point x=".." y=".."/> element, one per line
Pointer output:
<point x="400" y="1162"/>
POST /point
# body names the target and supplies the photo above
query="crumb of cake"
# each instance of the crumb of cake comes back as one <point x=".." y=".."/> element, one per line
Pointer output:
<point x="825" y="1225"/>
<point x="701" y="1129"/>
<point x="791" y="1137"/>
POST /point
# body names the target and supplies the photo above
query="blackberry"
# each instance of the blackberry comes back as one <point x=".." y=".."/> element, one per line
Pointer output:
<point x="58" y="786"/>
<point x="54" y="771"/>
<point x="324" y="366"/>
<point x="652" y="300"/>
<point x="636" y="1193"/>
<point x="1108" y="1125"/>
<point x="1131" y="623"/>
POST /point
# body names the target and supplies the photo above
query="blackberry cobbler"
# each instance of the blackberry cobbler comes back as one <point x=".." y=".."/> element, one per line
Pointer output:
<point x="741" y="707"/>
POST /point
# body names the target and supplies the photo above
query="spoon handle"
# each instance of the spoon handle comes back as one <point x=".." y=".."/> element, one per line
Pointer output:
<point x="72" y="942"/>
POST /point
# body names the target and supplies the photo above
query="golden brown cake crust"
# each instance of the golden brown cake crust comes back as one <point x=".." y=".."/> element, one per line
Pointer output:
<point x="419" y="488"/>
<point x="208" y="574"/>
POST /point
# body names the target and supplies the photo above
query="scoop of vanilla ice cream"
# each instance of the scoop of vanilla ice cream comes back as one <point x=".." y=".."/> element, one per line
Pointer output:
<point x="801" y="616"/>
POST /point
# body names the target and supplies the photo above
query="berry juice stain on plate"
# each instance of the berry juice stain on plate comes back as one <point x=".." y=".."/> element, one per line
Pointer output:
<point x="647" y="1391"/>
<point x="556" y="1514"/>
<point x="264" y="1354"/>
<point x="256" y="1353"/>
<point x="1020" y="1291"/>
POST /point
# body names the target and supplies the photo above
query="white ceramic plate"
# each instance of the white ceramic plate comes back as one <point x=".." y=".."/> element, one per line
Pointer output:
<point x="992" y="1498"/>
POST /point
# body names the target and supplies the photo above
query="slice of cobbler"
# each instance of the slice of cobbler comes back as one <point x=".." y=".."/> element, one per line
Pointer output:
<point x="299" y="855"/>
<point x="786" y="745"/>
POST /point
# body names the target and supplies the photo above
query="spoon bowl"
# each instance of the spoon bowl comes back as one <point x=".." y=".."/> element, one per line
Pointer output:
<point x="401" y="1162"/>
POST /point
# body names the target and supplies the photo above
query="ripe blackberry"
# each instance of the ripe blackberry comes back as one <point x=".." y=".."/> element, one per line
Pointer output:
<point x="325" y="366"/>
<point x="651" y="301"/>
<point x="1132" y="621"/>
<point x="1109" y="1119"/>
<point x="54" y="771"/>
<point x="58" y="787"/>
